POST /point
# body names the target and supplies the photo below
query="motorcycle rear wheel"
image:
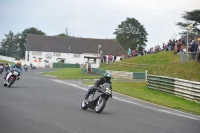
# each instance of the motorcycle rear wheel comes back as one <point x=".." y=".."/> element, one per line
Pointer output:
<point x="83" y="105"/>
<point x="100" y="105"/>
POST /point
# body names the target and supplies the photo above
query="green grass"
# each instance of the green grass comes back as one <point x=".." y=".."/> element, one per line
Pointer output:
<point x="70" y="73"/>
<point x="3" y="61"/>
<point x="163" y="58"/>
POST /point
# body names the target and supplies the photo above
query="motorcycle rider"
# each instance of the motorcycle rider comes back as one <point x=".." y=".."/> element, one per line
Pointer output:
<point x="7" y="67"/>
<point x="106" y="78"/>
<point x="2" y="66"/>
<point x="18" y="66"/>
<point x="25" y="65"/>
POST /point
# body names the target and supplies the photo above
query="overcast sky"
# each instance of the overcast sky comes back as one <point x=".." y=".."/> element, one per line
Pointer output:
<point x="94" y="18"/>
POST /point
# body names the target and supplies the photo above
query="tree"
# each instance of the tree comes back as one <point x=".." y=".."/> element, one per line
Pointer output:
<point x="10" y="45"/>
<point x="192" y="17"/>
<point x="131" y="34"/>
<point x="23" y="37"/>
<point x="62" y="34"/>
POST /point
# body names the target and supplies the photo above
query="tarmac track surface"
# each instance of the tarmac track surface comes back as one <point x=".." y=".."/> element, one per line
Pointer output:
<point x="42" y="104"/>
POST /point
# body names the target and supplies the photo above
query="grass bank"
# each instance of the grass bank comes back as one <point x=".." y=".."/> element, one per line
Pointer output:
<point x="164" y="63"/>
<point x="134" y="89"/>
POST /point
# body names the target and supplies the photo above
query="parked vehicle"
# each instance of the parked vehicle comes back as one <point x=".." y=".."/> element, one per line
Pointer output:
<point x="97" y="100"/>
<point x="11" y="77"/>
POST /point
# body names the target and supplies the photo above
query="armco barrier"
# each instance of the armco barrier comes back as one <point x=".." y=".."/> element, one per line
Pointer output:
<point x="84" y="71"/>
<point x="98" y="71"/>
<point x="60" y="65"/>
<point x="139" y="75"/>
<point x="118" y="74"/>
<point x="183" y="88"/>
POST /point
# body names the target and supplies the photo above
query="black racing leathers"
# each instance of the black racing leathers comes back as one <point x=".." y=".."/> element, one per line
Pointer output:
<point x="97" y="84"/>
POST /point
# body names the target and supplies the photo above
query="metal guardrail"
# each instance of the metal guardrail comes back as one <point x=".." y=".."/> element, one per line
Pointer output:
<point x="183" y="88"/>
<point x="118" y="74"/>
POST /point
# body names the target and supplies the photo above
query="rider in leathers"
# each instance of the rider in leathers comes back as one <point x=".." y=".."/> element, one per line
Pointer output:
<point x="100" y="81"/>
<point x="18" y="66"/>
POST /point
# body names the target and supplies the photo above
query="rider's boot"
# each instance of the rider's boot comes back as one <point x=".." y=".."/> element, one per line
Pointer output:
<point x="87" y="94"/>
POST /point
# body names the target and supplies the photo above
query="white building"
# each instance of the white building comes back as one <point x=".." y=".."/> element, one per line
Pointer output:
<point x="53" y="49"/>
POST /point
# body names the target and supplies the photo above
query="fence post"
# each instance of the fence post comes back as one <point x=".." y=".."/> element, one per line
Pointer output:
<point x="146" y="72"/>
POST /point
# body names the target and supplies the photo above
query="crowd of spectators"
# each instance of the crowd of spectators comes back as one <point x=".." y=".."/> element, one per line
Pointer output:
<point x="172" y="45"/>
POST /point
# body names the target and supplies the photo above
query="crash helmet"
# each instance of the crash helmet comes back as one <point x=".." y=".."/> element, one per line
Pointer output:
<point x="6" y="64"/>
<point x="18" y="64"/>
<point x="107" y="76"/>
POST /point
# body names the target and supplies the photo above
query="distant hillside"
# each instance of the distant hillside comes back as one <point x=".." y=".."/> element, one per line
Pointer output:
<point x="163" y="63"/>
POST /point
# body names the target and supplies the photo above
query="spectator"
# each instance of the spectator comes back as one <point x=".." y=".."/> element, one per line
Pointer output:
<point x="134" y="53"/>
<point x="194" y="46"/>
<point x="193" y="49"/>
<point x="109" y="58"/>
<point x="199" y="44"/>
<point x="179" y="46"/>
<point x="173" y="44"/>
<point x="115" y="57"/>
<point x="169" y="45"/>
<point x="129" y="52"/>
<point x="104" y="58"/>
<point x="198" y="57"/>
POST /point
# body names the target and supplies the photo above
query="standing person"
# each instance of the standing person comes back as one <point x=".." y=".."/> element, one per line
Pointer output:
<point x="193" y="49"/>
<point x="198" y="57"/>
<point x="100" y="81"/>
<point x="104" y="59"/>
<point x="115" y="57"/>
<point x="179" y="46"/>
<point x="129" y="52"/>
<point x="173" y="44"/>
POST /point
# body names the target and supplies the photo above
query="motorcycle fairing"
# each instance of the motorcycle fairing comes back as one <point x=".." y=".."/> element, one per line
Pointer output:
<point x="93" y="98"/>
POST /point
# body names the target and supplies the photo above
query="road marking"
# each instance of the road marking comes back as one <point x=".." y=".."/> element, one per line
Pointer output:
<point x="131" y="102"/>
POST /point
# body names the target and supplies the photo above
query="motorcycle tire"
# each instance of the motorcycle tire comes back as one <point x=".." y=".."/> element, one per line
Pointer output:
<point x="5" y="84"/>
<point x="11" y="82"/>
<point x="83" y="105"/>
<point x="100" y="105"/>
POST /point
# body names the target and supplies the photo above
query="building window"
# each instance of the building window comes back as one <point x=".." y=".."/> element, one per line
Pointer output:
<point x="36" y="53"/>
<point x="76" y="55"/>
<point x="57" y="54"/>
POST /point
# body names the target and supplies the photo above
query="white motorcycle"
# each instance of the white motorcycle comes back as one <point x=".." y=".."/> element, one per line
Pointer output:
<point x="11" y="77"/>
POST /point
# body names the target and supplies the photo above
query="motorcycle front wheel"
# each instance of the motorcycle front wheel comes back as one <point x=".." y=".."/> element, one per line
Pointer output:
<point x="101" y="103"/>
<point x="83" y="105"/>
<point x="11" y="81"/>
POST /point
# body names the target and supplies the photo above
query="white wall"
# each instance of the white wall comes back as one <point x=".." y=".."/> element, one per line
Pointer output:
<point x="67" y="56"/>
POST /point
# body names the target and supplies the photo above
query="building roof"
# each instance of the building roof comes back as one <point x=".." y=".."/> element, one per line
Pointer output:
<point x="62" y="44"/>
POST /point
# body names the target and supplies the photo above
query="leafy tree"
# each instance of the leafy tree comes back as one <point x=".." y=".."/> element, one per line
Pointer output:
<point x="23" y="37"/>
<point x="131" y="34"/>
<point x="62" y="34"/>
<point x="9" y="46"/>
<point x="192" y="17"/>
